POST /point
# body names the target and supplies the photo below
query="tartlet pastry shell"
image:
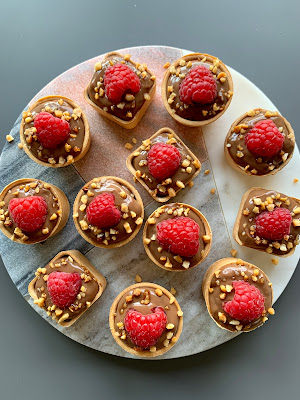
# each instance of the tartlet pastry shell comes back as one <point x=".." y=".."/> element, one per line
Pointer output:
<point x="112" y="245"/>
<point x="63" y="202"/>
<point x="207" y="245"/>
<point x="238" y="219"/>
<point x="183" y="121"/>
<point x="136" y="119"/>
<point x="141" y="181"/>
<point x="86" y="141"/>
<point x="207" y="281"/>
<point x="82" y="260"/>
<point x="143" y="353"/>
<point x="239" y="168"/>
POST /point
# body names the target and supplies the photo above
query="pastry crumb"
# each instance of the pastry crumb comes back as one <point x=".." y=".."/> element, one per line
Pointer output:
<point x="134" y="140"/>
<point x="275" y="261"/>
<point x="213" y="191"/>
<point x="206" y="172"/>
<point x="128" y="146"/>
<point x="9" y="138"/>
<point x="173" y="291"/>
<point x="20" y="145"/>
<point x="296" y="180"/>
<point x="233" y="252"/>
<point x="167" y="64"/>
<point x="191" y="184"/>
<point x="138" y="279"/>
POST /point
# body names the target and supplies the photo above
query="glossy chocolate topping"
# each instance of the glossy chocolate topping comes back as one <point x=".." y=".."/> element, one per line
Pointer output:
<point x="126" y="109"/>
<point x="174" y="210"/>
<point x="243" y="157"/>
<point x="184" y="173"/>
<point x="246" y="231"/>
<point x="73" y="144"/>
<point x="87" y="295"/>
<point x="226" y="275"/>
<point x="34" y="188"/>
<point x="150" y="299"/>
<point x="195" y="111"/>
<point x="130" y="208"/>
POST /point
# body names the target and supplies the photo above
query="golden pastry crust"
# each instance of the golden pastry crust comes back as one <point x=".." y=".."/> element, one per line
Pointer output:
<point x="81" y="260"/>
<point x="176" y="64"/>
<point x="145" y="353"/>
<point x="136" y="119"/>
<point x="86" y="141"/>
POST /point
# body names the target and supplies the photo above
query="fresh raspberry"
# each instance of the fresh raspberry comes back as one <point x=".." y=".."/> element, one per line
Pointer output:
<point x="198" y="86"/>
<point x="273" y="225"/>
<point x="51" y="131"/>
<point x="163" y="160"/>
<point x="247" y="304"/>
<point x="145" y="330"/>
<point x="264" y="139"/>
<point x="28" y="213"/>
<point x="179" y="236"/>
<point x="119" y="79"/>
<point x="102" y="211"/>
<point x="63" y="287"/>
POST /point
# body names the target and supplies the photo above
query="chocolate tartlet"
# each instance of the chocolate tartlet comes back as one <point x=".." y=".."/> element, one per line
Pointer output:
<point x="93" y="285"/>
<point x="57" y="214"/>
<point x="162" y="191"/>
<point x="242" y="160"/>
<point x="217" y="288"/>
<point x="65" y="153"/>
<point x="196" y="114"/>
<point x="129" y="111"/>
<point x="127" y="201"/>
<point x="164" y="258"/>
<point x="255" y="201"/>
<point x="143" y="297"/>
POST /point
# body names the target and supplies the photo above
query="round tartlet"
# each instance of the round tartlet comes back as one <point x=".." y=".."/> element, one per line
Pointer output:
<point x="224" y="272"/>
<point x="66" y="153"/>
<point x="132" y="216"/>
<point x="58" y="209"/>
<point x="173" y="78"/>
<point x="242" y="160"/>
<point x="174" y="314"/>
<point x="169" y="261"/>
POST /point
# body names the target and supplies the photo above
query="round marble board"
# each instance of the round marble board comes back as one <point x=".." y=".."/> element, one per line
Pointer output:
<point x="107" y="156"/>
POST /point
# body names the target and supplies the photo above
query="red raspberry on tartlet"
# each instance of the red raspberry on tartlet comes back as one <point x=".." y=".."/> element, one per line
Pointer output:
<point x="102" y="211"/>
<point x="51" y="131"/>
<point x="145" y="330"/>
<point x="273" y="225"/>
<point x="63" y="287"/>
<point x="248" y="303"/>
<point x="179" y="235"/>
<point x="28" y="213"/>
<point x="119" y="79"/>
<point x="264" y="139"/>
<point x="199" y="86"/>
<point x="163" y="160"/>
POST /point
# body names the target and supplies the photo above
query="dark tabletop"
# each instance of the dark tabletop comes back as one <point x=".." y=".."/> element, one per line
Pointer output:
<point x="40" y="40"/>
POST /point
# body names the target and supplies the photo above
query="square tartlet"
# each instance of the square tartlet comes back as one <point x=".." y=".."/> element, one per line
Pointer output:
<point x="93" y="283"/>
<point x="163" y="191"/>
<point x="131" y="109"/>
<point x="255" y="201"/>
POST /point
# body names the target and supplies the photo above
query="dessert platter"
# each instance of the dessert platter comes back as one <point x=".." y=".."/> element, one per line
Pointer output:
<point x="150" y="204"/>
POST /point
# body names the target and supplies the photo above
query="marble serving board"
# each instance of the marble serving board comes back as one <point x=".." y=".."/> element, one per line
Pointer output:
<point x="107" y="156"/>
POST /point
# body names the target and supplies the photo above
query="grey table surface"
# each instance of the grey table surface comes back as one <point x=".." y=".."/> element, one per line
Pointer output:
<point x="41" y="40"/>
